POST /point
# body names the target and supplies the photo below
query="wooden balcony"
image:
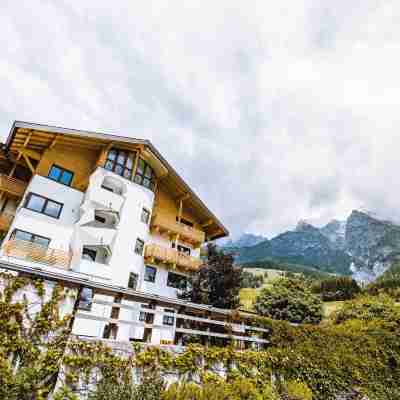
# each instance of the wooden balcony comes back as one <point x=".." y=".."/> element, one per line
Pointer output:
<point x="12" y="185"/>
<point x="29" y="251"/>
<point x="187" y="233"/>
<point x="5" y="221"/>
<point x="155" y="253"/>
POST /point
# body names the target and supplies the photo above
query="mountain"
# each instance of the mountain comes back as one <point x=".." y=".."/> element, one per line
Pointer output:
<point x="373" y="245"/>
<point x="306" y="245"/>
<point x="245" y="240"/>
<point x="335" y="231"/>
<point x="362" y="246"/>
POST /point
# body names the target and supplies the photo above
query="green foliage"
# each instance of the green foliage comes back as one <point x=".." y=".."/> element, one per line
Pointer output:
<point x="388" y="283"/>
<point x="217" y="282"/>
<point x="336" y="288"/>
<point x="358" y="353"/>
<point x="237" y="389"/>
<point x="369" y="308"/>
<point x="297" y="390"/>
<point x="250" y="280"/>
<point x="32" y="339"/>
<point x="291" y="300"/>
<point x="150" y="388"/>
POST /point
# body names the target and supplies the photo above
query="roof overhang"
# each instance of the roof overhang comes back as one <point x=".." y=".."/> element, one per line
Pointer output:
<point x="39" y="137"/>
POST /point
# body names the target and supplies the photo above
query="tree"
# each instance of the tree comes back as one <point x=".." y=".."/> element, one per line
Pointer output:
<point x="291" y="300"/>
<point x="217" y="282"/>
<point x="336" y="288"/>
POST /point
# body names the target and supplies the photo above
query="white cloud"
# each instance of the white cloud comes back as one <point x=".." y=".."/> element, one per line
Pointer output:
<point x="272" y="111"/>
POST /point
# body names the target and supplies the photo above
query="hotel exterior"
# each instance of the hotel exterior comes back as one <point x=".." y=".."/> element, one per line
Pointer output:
<point x="109" y="217"/>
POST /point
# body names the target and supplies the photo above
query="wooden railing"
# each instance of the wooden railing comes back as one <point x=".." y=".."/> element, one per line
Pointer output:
<point x="165" y="255"/>
<point x="33" y="252"/>
<point x="6" y="220"/>
<point x="188" y="233"/>
<point x="12" y="185"/>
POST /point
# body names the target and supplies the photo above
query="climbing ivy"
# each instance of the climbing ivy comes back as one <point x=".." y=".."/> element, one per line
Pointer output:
<point x="357" y="353"/>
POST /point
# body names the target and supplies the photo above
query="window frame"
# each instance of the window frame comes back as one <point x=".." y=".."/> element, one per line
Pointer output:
<point x="141" y="176"/>
<point x="84" y="303"/>
<point x="147" y="212"/>
<point x="89" y="252"/>
<point x="147" y="267"/>
<point x="46" y="202"/>
<point x="170" y="273"/>
<point x="33" y="235"/>
<point x="138" y="240"/>
<point x="168" y="319"/>
<point x="182" y="249"/>
<point x="128" y="155"/>
<point x="61" y="174"/>
<point x="135" y="279"/>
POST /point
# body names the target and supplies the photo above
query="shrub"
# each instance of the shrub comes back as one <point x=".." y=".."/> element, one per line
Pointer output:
<point x="237" y="389"/>
<point x="336" y="288"/>
<point x="250" y="280"/>
<point x="369" y="308"/>
<point x="290" y="300"/>
<point x="297" y="390"/>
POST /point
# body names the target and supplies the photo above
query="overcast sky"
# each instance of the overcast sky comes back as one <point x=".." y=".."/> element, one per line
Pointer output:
<point x="273" y="111"/>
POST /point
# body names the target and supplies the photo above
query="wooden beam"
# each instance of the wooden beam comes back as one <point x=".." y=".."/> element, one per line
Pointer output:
<point x="54" y="141"/>
<point x="207" y="223"/>
<point x="27" y="139"/>
<point x="26" y="158"/>
<point x="32" y="153"/>
<point x="183" y="197"/>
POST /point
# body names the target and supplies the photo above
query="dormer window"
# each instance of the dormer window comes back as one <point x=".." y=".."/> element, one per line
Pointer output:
<point x="120" y="162"/>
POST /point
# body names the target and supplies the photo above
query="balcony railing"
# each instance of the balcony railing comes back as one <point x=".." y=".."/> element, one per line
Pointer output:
<point x="36" y="253"/>
<point x="165" y="255"/>
<point x="187" y="233"/>
<point x="12" y="185"/>
<point x="5" y="221"/>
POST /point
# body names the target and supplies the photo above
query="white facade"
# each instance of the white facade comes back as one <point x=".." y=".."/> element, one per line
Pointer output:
<point x="98" y="229"/>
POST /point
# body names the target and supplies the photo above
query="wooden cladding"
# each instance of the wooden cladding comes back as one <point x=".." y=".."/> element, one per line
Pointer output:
<point x="155" y="253"/>
<point x="33" y="252"/>
<point x="5" y="221"/>
<point x="189" y="234"/>
<point x="12" y="185"/>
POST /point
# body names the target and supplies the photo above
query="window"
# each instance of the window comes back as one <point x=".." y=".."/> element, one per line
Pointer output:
<point x="145" y="316"/>
<point x="185" y="222"/>
<point x="139" y="246"/>
<point x="100" y="219"/>
<point x="145" y="175"/>
<point x="85" y="299"/>
<point x="168" y="319"/>
<point x="89" y="254"/>
<point x="43" y="205"/>
<point x="120" y="162"/>
<point x="176" y="281"/>
<point x="30" y="237"/>
<point x="61" y="175"/>
<point x="150" y="274"/>
<point x="133" y="280"/>
<point x="145" y="216"/>
<point x="182" y="249"/>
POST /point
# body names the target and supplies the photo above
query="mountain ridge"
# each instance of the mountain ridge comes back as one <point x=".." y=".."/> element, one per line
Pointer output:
<point x="362" y="246"/>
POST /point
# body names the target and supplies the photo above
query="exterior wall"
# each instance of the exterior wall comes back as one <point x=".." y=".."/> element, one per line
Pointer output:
<point x="76" y="228"/>
<point x="58" y="230"/>
<point x="167" y="206"/>
<point x="80" y="161"/>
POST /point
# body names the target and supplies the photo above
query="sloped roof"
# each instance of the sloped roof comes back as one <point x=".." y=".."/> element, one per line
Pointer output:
<point x="39" y="137"/>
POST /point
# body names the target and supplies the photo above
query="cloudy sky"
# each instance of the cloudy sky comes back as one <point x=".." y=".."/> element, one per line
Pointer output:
<point x="273" y="111"/>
